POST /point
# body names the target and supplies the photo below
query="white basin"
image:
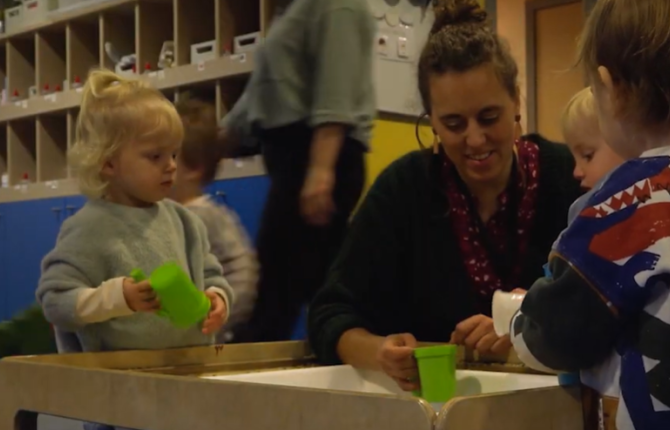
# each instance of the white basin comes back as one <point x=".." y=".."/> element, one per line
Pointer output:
<point x="346" y="378"/>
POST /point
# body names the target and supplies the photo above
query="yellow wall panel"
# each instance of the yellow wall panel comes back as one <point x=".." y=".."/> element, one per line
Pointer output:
<point x="391" y="140"/>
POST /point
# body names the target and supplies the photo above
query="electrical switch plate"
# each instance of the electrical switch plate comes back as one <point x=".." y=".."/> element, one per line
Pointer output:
<point x="403" y="47"/>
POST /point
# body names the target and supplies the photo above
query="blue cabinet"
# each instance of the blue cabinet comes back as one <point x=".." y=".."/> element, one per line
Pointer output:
<point x="246" y="196"/>
<point x="28" y="231"/>
<point x="31" y="228"/>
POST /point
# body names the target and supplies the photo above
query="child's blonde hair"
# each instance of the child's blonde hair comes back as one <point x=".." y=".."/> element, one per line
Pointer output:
<point x="631" y="38"/>
<point x="116" y="111"/>
<point x="580" y="108"/>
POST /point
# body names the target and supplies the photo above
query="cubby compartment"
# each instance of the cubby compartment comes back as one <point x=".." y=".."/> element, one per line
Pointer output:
<point x="83" y="50"/>
<point x="3" y="75"/>
<point x="227" y="94"/>
<point x="206" y="92"/>
<point x="50" y="60"/>
<point x="155" y="24"/>
<point x="238" y="26"/>
<point x="20" y="67"/>
<point x="21" y="151"/>
<point x="71" y="119"/>
<point x="4" y="178"/>
<point x="195" y="29"/>
<point x="118" y="41"/>
<point x="52" y="139"/>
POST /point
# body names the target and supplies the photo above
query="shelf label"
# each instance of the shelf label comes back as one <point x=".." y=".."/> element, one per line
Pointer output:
<point x="153" y="75"/>
<point x="161" y="75"/>
<point x="239" y="57"/>
<point x="79" y="90"/>
<point x="201" y="66"/>
<point x="50" y="97"/>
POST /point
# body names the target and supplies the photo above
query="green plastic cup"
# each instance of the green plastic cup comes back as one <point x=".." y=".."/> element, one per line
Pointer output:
<point x="437" y="373"/>
<point x="181" y="301"/>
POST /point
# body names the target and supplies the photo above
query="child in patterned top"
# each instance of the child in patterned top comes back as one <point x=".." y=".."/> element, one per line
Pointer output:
<point x="605" y="309"/>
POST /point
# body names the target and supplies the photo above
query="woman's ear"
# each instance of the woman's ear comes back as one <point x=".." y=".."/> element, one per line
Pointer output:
<point x="517" y="101"/>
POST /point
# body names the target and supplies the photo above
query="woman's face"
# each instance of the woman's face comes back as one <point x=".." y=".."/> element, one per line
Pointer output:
<point x="474" y="117"/>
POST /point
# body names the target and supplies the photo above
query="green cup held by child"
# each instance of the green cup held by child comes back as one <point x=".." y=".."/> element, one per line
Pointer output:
<point x="437" y="373"/>
<point x="181" y="301"/>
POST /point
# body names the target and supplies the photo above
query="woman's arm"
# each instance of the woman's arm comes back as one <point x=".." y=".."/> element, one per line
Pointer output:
<point x="358" y="347"/>
<point x="363" y="287"/>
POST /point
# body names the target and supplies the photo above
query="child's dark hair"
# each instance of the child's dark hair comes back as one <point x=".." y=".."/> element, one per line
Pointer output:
<point x="202" y="147"/>
<point x="631" y="38"/>
<point x="461" y="40"/>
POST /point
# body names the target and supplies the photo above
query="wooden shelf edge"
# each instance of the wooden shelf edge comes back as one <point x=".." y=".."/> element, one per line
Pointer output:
<point x="56" y="18"/>
<point x="182" y="76"/>
<point x="231" y="169"/>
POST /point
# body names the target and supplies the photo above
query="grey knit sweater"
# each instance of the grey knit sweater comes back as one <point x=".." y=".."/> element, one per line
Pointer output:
<point x="82" y="277"/>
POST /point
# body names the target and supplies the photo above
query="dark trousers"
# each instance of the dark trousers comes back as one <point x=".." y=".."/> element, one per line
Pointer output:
<point x="294" y="256"/>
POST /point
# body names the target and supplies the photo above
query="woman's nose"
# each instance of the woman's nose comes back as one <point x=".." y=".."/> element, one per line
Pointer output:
<point x="475" y="137"/>
<point x="578" y="173"/>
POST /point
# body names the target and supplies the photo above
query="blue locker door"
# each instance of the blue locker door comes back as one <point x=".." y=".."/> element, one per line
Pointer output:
<point x="32" y="228"/>
<point x="4" y="284"/>
<point x="246" y="196"/>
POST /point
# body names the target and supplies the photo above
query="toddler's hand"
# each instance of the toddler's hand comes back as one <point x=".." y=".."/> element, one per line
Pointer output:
<point x="217" y="314"/>
<point x="139" y="296"/>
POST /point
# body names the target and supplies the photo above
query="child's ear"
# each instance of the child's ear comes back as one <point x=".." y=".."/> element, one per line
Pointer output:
<point x="610" y="92"/>
<point x="109" y="168"/>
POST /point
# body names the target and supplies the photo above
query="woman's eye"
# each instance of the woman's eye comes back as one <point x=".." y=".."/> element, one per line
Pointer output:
<point x="489" y="119"/>
<point x="455" y="125"/>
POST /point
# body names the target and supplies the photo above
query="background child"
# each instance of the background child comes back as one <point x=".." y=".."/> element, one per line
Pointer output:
<point x="593" y="158"/>
<point x="196" y="167"/>
<point x="127" y="138"/>
<point x="606" y="308"/>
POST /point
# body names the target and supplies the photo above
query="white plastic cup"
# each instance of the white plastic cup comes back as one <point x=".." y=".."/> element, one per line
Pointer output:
<point x="505" y="306"/>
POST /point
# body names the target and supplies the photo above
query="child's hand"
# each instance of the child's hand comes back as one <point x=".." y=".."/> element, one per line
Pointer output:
<point x="139" y="296"/>
<point x="217" y="314"/>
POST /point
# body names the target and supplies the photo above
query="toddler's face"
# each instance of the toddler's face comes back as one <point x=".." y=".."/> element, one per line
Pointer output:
<point x="593" y="157"/>
<point x="143" y="173"/>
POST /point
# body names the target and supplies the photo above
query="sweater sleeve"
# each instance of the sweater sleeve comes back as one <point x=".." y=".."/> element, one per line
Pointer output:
<point x="232" y="248"/>
<point x="362" y="288"/>
<point x="344" y="45"/>
<point x="67" y="294"/>
<point x="563" y="324"/>
<point x="214" y="279"/>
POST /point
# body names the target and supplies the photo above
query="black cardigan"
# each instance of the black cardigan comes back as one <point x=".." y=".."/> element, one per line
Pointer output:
<point x="400" y="268"/>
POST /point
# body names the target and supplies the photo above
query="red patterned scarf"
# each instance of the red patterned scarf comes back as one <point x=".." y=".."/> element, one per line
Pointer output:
<point x="516" y="210"/>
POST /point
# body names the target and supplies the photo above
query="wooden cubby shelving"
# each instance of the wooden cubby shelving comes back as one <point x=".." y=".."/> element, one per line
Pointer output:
<point x="52" y="144"/>
<point x="43" y="66"/>
<point x="22" y="150"/>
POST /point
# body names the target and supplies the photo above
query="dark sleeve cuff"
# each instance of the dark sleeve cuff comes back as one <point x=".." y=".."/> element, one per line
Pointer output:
<point x="324" y="340"/>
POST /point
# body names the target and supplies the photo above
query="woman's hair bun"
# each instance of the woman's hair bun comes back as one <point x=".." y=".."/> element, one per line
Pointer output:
<point x="457" y="12"/>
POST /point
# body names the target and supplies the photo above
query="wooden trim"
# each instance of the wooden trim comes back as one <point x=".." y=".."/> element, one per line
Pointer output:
<point x="492" y="11"/>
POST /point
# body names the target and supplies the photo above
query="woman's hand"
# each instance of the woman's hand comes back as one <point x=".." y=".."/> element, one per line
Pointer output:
<point x="477" y="333"/>
<point x="396" y="358"/>
<point x="316" y="197"/>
